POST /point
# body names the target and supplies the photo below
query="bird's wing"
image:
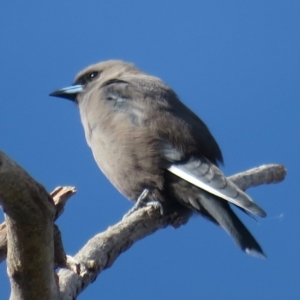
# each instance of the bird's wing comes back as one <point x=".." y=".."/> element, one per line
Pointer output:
<point x="205" y="175"/>
<point x="158" y="107"/>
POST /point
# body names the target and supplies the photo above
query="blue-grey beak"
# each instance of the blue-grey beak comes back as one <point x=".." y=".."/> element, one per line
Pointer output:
<point x="69" y="92"/>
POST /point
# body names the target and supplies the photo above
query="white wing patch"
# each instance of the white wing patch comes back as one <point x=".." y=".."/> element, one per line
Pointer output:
<point x="250" y="206"/>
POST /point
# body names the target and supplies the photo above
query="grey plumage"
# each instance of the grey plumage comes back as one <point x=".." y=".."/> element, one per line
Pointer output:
<point x="143" y="137"/>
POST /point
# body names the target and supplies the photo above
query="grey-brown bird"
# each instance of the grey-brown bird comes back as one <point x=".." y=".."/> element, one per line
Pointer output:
<point x="150" y="145"/>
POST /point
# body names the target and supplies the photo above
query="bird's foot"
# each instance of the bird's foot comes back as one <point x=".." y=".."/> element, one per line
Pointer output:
<point x="156" y="205"/>
<point x="139" y="203"/>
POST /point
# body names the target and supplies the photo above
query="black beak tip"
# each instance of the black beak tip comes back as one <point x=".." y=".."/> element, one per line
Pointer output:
<point x="63" y="94"/>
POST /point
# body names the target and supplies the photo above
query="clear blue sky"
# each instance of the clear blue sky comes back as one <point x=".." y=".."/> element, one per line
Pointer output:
<point x="235" y="63"/>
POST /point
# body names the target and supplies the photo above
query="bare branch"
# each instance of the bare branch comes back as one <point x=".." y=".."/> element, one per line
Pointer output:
<point x="60" y="197"/>
<point x="102" y="250"/>
<point x="264" y="174"/>
<point x="29" y="213"/>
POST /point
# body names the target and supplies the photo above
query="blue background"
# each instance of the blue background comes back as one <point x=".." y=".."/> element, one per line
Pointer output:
<point x="235" y="63"/>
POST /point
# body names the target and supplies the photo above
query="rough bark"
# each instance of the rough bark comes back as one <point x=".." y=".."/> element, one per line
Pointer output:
<point x="27" y="236"/>
<point x="29" y="213"/>
<point x="60" y="197"/>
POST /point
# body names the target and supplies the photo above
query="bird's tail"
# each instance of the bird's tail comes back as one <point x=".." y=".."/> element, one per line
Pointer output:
<point x="220" y="212"/>
<point x="216" y="210"/>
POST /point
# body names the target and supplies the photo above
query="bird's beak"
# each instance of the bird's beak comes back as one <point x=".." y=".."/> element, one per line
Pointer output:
<point x="69" y="92"/>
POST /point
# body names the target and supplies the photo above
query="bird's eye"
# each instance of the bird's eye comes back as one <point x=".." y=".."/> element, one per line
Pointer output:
<point x="91" y="76"/>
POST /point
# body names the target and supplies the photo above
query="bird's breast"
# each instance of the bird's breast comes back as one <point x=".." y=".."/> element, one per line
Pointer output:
<point x="126" y="153"/>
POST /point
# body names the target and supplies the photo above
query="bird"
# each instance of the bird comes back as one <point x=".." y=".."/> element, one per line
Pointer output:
<point x="154" y="149"/>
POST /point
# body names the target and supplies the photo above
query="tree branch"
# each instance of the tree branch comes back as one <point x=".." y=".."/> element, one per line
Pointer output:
<point x="29" y="214"/>
<point x="60" y="197"/>
<point x="265" y="174"/>
<point x="103" y="249"/>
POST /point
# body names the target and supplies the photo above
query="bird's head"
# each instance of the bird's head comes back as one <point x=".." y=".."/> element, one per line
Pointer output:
<point x="98" y="74"/>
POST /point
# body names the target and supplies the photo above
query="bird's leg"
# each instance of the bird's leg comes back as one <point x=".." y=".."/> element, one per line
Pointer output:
<point x="142" y="202"/>
<point x="138" y="204"/>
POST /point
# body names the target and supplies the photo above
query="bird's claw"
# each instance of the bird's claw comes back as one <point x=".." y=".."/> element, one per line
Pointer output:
<point x="142" y="202"/>
<point x="156" y="205"/>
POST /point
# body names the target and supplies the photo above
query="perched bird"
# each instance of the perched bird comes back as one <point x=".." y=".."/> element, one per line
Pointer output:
<point x="152" y="147"/>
